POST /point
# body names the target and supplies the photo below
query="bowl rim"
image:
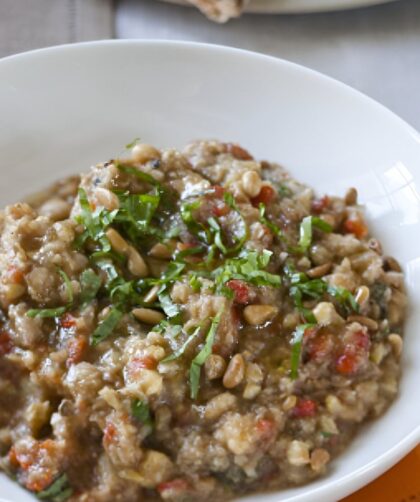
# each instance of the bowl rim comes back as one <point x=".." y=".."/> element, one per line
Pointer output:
<point x="365" y="474"/>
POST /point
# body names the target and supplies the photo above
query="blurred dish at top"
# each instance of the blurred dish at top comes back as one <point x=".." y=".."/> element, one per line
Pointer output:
<point x="223" y="10"/>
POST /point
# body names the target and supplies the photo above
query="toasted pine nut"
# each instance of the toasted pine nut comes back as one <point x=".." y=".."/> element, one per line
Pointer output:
<point x="251" y="183"/>
<point x="142" y="153"/>
<point x="392" y="264"/>
<point x="319" y="458"/>
<point x="160" y="250"/>
<point x="259" y="314"/>
<point x="375" y="245"/>
<point x="107" y="198"/>
<point x="14" y="291"/>
<point x="326" y="314"/>
<point x="215" y="366"/>
<point x="151" y="295"/>
<point x="289" y="402"/>
<point x="235" y="372"/>
<point x="396" y="343"/>
<point x="118" y="243"/>
<point x="298" y="453"/>
<point x="251" y="391"/>
<point x="351" y="197"/>
<point x="362" y="295"/>
<point x="366" y="321"/>
<point x="320" y="270"/>
<point x="148" y="316"/>
<point x="136" y="265"/>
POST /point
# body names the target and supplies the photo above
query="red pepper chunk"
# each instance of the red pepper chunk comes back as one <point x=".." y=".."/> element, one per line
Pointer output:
<point x="265" y="196"/>
<point x="75" y="349"/>
<point x="356" y="227"/>
<point x="304" y="408"/>
<point x="347" y="363"/>
<point x="68" y="321"/>
<point x="266" y="428"/>
<point x="240" y="290"/>
<point x="110" y="433"/>
<point x="143" y="362"/>
<point x="14" y="275"/>
<point x="6" y="344"/>
<point x="318" y="205"/>
<point x="218" y="191"/>
<point x="238" y="152"/>
<point x="176" y="486"/>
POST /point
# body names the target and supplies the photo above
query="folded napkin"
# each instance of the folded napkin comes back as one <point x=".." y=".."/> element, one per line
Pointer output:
<point x="399" y="484"/>
<point x="31" y="24"/>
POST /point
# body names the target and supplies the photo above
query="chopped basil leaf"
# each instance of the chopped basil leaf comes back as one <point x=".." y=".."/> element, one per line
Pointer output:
<point x="141" y="412"/>
<point x="284" y="191"/>
<point x="181" y="349"/>
<point x="170" y="308"/>
<point x="271" y="226"/>
<point x="296" y="341"/>
<point x="107" y="326"/>
<point x="132" y="144"/>
<point x="54" y="312"/>
<point x="215" y="227"/>
<point x="137" y="173"/>
<point x="306" y="227"/>
<point x="344" y="297"/>
<point x="188" y="252"/>
<point x="201" y="357"/>
<point x="195" y="283"/>
<point x="89" y="284"/>
<point x="58" y="491"/>
<point x="167" y="328"/>
<point x="57" y="311"/>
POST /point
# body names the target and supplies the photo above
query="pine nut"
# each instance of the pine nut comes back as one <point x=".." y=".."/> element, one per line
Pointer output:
<point x="351" y="197"/>
<point x="148" y="316"/>
<point x="392" y="264"/>
<point x="162" y="251"/>
<point x="396" y="343"/>
<point x="319" y="458"/>
<point x="118" y="243"/>
<point x="214" y="366"/>
<point x="151" y="295"/>
<point x="289" y="403"/>
<point x="14" y="291"/>
<point x="251" y="391"/>
<point x="235" y="372"/>
<point x="319" y="271"/>
<point x="142" y="153"/>
<point x="251" y="183"/>
<point x="366" y="321"/>
<point x="298" y="453"/>
<point x="136" y="264"/>
<point x="106" y="198"/>
<point x="326" y="314"/>
<point x="259" y="314"/>
<point x="362" y="295"/>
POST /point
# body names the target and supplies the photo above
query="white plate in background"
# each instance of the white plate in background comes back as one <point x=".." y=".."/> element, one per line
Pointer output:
<point x="63" y="109"/>
<point x="301" y="6"/>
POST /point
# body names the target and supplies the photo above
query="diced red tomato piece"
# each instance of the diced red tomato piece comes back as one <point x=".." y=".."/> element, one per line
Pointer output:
<point x="266" y="195"/>
<point x="319" y="347"/>
<point x="177" y="486"/>
<point x="143" y="362"/>
<point x="12" y="457"/>
<point x="15" y="275"/>
<point x="41" y="482"/>
<point x="240" y="289"/>
<point x="361" y="340"/>
<point x="357" y="227"/>
<point x="304" y="408"/>
<point x="347" y="363"/>
<point x="218" y="191"/>
<point x="318" y="205"/>
<point x="236" y="317"/>
<point x="6" y="344"/>
<point x="220" y="209"/>
<point x="76" y="347"/>
<point x="266" y="428"/>
<point x="238" y="152"/>
<point x="110" y="433"/>
<point x="68" y="321"/>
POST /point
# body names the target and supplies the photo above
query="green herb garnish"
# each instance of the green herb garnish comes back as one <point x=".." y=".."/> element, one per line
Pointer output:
<point x="296" y="341"/>
<point x="141" y="412"/>
<point x="306" y="228"/>
<point x="181" y="349"/>
<point x="89" y="284"/>
<point x="107" y="326"/>
<point x="271" y="226"/>
<point x="57" y="311"/>
<point x="58" y="491"/>
<point x="201" y="357"/>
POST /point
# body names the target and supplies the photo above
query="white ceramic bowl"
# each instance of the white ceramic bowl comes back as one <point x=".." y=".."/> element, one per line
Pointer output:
<point x="64" y="108"/>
